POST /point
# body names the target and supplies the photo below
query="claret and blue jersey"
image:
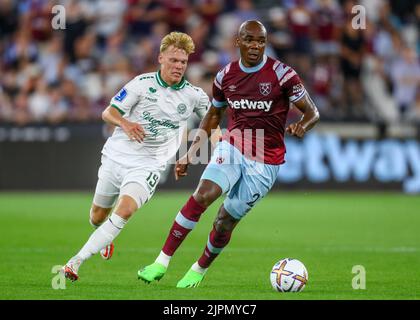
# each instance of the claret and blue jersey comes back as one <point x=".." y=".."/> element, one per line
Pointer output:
<point x="258" y="98"/>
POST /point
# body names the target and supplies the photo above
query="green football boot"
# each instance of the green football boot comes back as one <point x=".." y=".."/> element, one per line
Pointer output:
<point x="191" y="279"/>
<point x="152" y="272"/>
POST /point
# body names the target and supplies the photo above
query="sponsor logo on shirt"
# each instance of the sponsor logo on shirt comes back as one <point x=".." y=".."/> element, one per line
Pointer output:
<point x="151" y="99"/>
<point x="121" y="95"/>
<point x="155" y="125"/>
<point x="250" y="105"/>
<point x="297" y="88"/>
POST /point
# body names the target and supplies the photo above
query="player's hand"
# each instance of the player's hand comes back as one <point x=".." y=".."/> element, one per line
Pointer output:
<point x="296" y="129"/>
<point x="133" y="130"/>
<point x="181" y="167"/>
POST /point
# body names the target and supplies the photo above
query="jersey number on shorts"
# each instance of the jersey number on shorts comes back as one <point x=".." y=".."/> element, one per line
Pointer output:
<point x="255" y="196"/>
<point x="152" y="180"/>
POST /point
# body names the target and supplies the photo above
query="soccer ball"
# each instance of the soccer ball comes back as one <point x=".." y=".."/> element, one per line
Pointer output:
<point x="288" y="275"/>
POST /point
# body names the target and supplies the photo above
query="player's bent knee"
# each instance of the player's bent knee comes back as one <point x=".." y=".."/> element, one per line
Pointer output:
<point x="224" y="225"/>
<point x="132" y="197"/>
<point x="207" y="192"/>
<point x="224" y="221"/>
<point x="126" y="207"/>
<point x="98" y="215"/>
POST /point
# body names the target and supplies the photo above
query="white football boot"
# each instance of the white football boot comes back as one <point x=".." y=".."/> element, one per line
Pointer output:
<point x="71" y="269"/>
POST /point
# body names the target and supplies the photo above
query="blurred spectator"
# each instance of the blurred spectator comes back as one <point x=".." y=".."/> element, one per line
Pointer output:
<point x="39" y="103"/>
<point x="9" y="18"/>
<point x="39" y="17"/>
<point x="416" y="23"/>
<point x="109" y="18"/>
<point x="51" y="60"/>
<point x="142" y="15"/>
<point x="325" y="85"/>
<point x="351" y="55"/>
<point x="80" y="111"/>
<point x="22" y="49"/>
<point x="380" y="53"/>
<point x="177" y="13"/>
<point x="372" y="8"/>
<point x="209" y="10"/>
<point x="59" y="109"/>
<point x="279" y="34"/>
<point x="405" y="73"/>
<point x="198" y="29"/>
<point x="300" y="21"/>
<point x="76" y="24"/>
<point x="227" y="51"/>
<point x="245" y="10"/>
<point x="6" y="109"/>
<point x="416" y="111"/>
<point x="21" y="116"/>
<point x="327" y="22"/>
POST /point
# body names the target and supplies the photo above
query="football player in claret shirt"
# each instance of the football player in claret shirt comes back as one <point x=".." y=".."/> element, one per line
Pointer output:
<point x="255" y="92"/>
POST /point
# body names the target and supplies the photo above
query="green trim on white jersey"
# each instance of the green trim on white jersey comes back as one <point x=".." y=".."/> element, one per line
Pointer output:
<point x="119" y="110"/>
<point x="176" y="86"/>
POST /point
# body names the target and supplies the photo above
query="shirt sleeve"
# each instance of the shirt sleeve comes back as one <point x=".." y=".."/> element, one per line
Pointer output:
<point x="219" y="99"/>
<point x="202" y="105"/>
<point x="292" y="85"/>
<point x="127" y="97"/>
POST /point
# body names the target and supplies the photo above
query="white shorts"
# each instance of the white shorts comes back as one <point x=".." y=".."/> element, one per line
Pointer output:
<point x="115" y="180"/>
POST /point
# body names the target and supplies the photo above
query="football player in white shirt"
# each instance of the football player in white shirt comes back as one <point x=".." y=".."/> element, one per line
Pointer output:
<point x="150" y="114"/>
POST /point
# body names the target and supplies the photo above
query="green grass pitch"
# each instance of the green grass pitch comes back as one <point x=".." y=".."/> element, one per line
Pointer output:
<point x="329" y="232"/>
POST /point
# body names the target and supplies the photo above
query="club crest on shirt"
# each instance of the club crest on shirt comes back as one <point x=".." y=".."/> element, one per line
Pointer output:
<point x="220" y="160"/>
<point x="265" y="88"/>
<point x="181" y="108"/>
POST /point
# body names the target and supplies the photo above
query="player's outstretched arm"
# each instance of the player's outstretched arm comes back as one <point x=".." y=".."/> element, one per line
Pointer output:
<point x="209" y="123"/>
<point x="133" y="130"/>
<point x="309" y="119"/>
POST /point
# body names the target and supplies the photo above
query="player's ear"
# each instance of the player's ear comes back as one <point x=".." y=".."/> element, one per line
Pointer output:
<point x="160" y="58"/>
<point x="237" y="42"/>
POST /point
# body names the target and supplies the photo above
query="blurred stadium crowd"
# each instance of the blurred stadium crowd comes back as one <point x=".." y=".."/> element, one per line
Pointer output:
<point x="47" y="75"/>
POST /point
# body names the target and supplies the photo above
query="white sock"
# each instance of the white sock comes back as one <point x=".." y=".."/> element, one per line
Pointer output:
<point x="163" y="259"/>
<point x="196" y="267"/>
<point x="102" y="236"/>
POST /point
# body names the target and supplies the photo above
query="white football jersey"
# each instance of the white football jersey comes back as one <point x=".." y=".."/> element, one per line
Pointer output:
<point x="162" y="111"/>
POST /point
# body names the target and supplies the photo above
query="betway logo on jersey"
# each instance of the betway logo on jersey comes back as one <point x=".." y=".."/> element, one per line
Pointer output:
<point x="250" y="105"/>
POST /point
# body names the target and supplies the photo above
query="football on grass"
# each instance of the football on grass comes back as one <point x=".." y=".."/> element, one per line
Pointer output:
<point x="289" y="275"/>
